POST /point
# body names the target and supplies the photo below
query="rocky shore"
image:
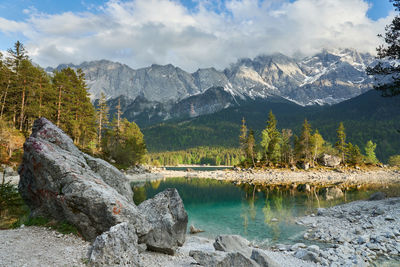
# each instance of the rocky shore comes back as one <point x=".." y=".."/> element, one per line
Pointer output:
<point x="283" y="177"/>
<point x="357" y="233"/>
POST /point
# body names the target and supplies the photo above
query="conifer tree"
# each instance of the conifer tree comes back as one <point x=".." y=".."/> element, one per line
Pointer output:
<point x="305" y="142"/>
<point x="251" y="147"/>
<point x="341" y="141"/>
<point x="353" y="154"/>
<point x="370" y="152"/>
<point x="243" y="138"/>
<point x="317" y="143"/>
<point x="102" y="116"/>
<point x="126" y="146"/>
<point x="387" y="71"/>
<point x="286" y="147"/>
<point x="271" y="140"/>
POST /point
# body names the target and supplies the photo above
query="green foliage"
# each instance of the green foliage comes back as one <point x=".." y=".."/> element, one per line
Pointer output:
<point x="394" y="161"/>
<point x="317" y="145"/>
<point x="251" y="145"/>
<point x="61" y="227"/>
<point x="11" y="140"/>
<point x="341" y="141"/>
<point x="243" y="138"/>
<point x="125" y="145"/>
<point x="198" y="155"/>
<point x="353" y="154"/>
<point x="286" y="147"/>
<point x="271" y="140"/>
<point x="27" y="92"/>
<point x="102" y="117"/>
<point x="304" y="151"/>
<point x="9" y="197"/>
<point x="389" y="54"/>
<point x="370" y="156"/>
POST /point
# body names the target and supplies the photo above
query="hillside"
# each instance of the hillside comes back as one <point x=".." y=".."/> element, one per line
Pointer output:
<point x="366" y="117"/>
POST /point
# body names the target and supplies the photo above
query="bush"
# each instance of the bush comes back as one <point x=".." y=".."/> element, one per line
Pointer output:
<point x="394" y="161"/>
<point x="9" y="197"/>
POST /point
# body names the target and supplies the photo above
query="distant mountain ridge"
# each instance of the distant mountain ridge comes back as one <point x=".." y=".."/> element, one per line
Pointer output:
<point x="158" y="93"/>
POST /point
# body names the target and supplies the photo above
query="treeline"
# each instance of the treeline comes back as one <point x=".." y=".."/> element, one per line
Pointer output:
<point x="28" y="92"/>
<point x="201" y="155"/>
<point x="283" y="148"/>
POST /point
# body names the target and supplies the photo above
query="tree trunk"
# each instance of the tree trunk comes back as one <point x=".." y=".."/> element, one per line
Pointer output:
<point x="59" y="106"/>
<point x="21" y="120"/>
<point x="4" y="99"/>
<point x="119" y="113"/>
<point x="15" y="116"/>
<point x="40" y="97"/>
<point x="100" y="128"/>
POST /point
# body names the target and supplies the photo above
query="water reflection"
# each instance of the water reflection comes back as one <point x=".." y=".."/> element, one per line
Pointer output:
<point x="257" y="212"/>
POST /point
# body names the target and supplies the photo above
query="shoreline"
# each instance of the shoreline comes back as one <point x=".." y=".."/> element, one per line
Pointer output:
<point x="285" y="178"/>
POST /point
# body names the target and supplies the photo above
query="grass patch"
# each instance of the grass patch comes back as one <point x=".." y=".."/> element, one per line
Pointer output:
<point x="61" y="227"/>
<point x="14" y="213"/>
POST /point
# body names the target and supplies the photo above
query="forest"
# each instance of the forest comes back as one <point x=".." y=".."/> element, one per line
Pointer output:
<point x="29" y="92"/>
<point x="366" y="117"/>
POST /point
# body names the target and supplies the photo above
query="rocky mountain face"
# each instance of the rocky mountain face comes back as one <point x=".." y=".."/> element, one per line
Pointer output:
<point x="157" y="93"/>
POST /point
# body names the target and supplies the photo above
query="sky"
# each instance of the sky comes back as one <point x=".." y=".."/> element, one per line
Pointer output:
<point x="190" y="34"/>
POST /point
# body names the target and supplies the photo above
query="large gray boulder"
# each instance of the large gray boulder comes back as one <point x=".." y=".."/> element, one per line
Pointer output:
<point x="329" y="160"/>
<point x="168" y="221"/>
<point x="232" y="243"/>
<point x="116" y="247"/>
<point x="57" y="181"/>
<point x="60" y="182"/>
<point x="221" y="259"/>
<point x="263" y="259"/>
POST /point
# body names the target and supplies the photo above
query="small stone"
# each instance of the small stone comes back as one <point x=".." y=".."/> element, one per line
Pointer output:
<point x="297" y="246"/>
<point x="389" y="218"/>
<point x="274" y="220"/>
<point x="373" y="246"/>
<point x="378" y="211"/>
<point x="307" y="255"/>
<point x="377" y="196"/>
<point x="313" y="248"/>
<point x="321" y="211"/>
<point x="362" y="239"/>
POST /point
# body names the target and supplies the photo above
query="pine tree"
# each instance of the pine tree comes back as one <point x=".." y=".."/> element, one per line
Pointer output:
<point x="341" y="141"/>
<point x="271" y="140"/>
<point x="370" y="152"/>
<point x="305" y="143"/>
<point x="102" y="116"/>
<point x="286" y="147"/>
<point x="389" y="54"/>
<point x="251" y="147"/>
<point x="317" y="144"/>
<point x="353" y="154"/>
<point x="243" y="138"/>
<point x="126" y="146"/>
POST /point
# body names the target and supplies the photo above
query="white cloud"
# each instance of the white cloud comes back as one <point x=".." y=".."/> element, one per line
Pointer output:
<point x="142" y="32"/>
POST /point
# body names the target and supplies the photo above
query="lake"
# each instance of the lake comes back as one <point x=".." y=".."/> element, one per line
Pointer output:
<point x="264" y="215"/>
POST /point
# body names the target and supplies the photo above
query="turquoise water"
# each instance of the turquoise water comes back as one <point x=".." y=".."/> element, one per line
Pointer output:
<point x="219" y="207"/>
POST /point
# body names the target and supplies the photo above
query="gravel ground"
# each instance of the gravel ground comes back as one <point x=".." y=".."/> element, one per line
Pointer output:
<point x="39" y="246"/>
<point x="182" y="258"/>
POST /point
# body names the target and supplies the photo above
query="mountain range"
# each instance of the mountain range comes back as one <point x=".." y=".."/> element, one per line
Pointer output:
<point x="159" y="93"/>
